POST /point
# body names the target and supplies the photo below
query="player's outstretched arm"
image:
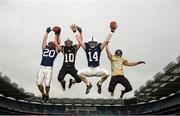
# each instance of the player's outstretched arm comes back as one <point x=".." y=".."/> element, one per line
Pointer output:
<point x="73" y="28"/>
<point x="79" y="29"/>
<point x="127" y="63"/>
<point x="44" y="42"/>
<point x="113" y="26"/>
<point x="57" y="41"/>
<point x="109" y="54"/>
<point x="105" y="42"/>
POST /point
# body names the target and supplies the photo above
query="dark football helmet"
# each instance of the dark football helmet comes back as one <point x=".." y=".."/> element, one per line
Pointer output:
<point x="118" y="52"/>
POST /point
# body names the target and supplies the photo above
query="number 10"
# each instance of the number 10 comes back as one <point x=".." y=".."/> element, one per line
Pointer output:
<point x="69" y="58"/>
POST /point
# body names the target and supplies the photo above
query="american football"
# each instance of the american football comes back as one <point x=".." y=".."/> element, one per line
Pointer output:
<point x="113" y="25"/>
<point x="56" y="29"/>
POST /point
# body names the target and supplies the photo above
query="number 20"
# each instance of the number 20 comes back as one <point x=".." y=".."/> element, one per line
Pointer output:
<point x="49" y="53"/>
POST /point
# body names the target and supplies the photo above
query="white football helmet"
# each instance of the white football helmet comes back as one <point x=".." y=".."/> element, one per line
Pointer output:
<point x="93" y="39"/>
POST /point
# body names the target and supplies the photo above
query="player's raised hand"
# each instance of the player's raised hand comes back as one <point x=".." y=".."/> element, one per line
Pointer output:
<point x="141" y="62"/>
<point x="73" y="27"/>
<point x="48" y="30"/>
<point x="113" y="25"/>
<point x="79" y="29"/>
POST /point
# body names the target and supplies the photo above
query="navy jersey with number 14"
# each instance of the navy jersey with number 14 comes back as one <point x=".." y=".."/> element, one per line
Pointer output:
<point x="93" y="54"/>
<point x="48" y="56"/>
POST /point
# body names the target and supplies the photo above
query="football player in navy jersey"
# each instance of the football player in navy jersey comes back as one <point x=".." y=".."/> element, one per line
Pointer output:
<point x="49" y="53"/>
<point x="69" y="51"/>
<point x="93" y="52"/>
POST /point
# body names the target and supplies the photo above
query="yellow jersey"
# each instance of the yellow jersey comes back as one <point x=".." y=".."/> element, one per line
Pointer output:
<point x="117" y="65"/>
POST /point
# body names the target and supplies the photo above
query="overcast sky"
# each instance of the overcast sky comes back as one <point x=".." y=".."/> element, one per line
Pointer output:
<point x="148" y="30"/>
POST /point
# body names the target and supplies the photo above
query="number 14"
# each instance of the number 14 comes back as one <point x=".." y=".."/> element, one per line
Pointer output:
<point x="94" y="56"/>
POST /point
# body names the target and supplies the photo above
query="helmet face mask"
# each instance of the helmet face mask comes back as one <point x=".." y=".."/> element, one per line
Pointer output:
<point x="68" y="43"/>
<point x="92" y="42"/>
<point x="118" y="52"/>
<point x="51" y="44"/>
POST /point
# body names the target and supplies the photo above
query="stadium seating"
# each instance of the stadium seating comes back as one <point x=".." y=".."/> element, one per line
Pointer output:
<point x="164" y="84"/>
<point x="160" y="95"/>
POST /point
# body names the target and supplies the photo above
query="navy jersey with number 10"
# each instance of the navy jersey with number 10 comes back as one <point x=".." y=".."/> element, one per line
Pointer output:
<point x="93" y="54"/>
<point x="48" y="56"/>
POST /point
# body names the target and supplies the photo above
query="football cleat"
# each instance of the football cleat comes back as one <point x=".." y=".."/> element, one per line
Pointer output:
<point x="70" y="83"/>
<point x="112" y="94"/>
<point x="46" y="99"/>
<point x="122" y="93"/>
<point x="88" y="88"/>
<point x="99" y="88"/>
<point x="63" y="84"/>
<point x="43" y="97"/>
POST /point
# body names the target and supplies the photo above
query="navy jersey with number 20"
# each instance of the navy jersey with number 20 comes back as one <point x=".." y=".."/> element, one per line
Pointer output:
<point x="93" y="54"/>
<point x="48" y="56"/>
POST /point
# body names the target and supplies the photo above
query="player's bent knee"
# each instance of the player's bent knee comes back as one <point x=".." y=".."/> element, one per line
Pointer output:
<point x="78" y="79"/>
<point x="128" y="89"/>
<point x="80" y="75"/>
<point x="106" y="73"/>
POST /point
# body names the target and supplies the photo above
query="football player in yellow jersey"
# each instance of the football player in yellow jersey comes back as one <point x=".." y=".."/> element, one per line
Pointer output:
<point x="117" y="62"/>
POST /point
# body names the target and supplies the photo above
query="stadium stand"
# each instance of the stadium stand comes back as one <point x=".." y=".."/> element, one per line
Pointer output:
<point x="161" y="95"/>
<point x="163" y="84"/>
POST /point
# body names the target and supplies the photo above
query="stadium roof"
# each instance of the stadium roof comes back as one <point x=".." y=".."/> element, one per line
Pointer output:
<point x="163" y="85"/>
<point x="11" y="89"/>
